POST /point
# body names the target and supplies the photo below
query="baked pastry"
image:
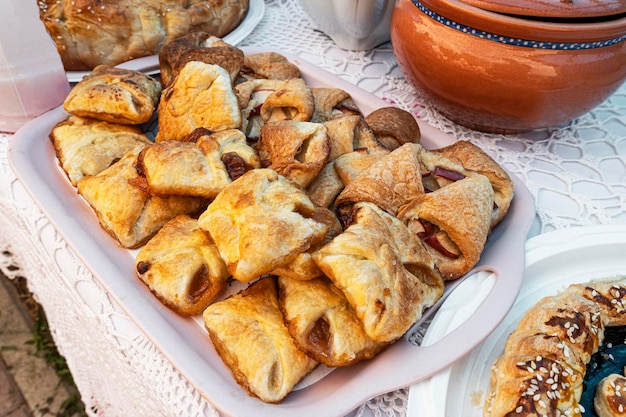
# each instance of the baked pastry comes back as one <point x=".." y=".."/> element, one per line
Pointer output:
<point x="322" y="322"/>
<point x="262" y="221"/>
<point x="390" y="182"/>
<point x="393" y="127"/>
<point x="89" y="33"/>
<point x="453" y="222"/>
<point x="198" y="46"/>
<point x="545" y="376"/>
<point x="296" y="150"/>
<point x="201" y="168"/>
<point x="269" y="100"/>
<point x="350" y="165"/>
<point x="88" y="146"/>
<point x="201" y="96"/>
<point x="252" y="318"/>
<point x="349" y="133"/>
<point x="473" y="158"/>
<point x="609" y="294"/>
<point x="326" y="186"/>
<point x="610" y="396"/>
<point x="269" y="65"/>
<point x="383" y="270"/>
<point x="114" y="95"/>
<point x="182" y="266"/>
<point x="125" y="209"/>
<point x="332" y="103"/>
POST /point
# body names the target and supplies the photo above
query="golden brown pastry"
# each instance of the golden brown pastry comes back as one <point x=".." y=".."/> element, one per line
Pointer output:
<point x="393" y="127"/>
<point x="88" y="146"/>
<point x="296" y="150"/>
<point x="201" y="96"/>
<point x="269" y="100"/>
<point x="249" y="334"/>
<point x="350" y="133"/>
<point x="201" y="168"/>
<point x="333" y="103"/>
<point x="390" y="182"/>
<point x="114" y="95"/>
<point x="269" y="65"/>
<point x="475" y="159"/>
<point x="453" y="222"/>
<point x="383" y="270"/>
<point x="326" y="186"/>
<point x="609" y="294"/>
<point x="125" y="210"/>
<point x="198" y="46"/>
<point x="610" y="396"/>
<point x="322" y="322"/>
<point x="543" y="365"/>
<point x="350" y="165"/>
<point x="182" y="266"/>
<point x="262" y="221"/>
<point x="89" y="33"/>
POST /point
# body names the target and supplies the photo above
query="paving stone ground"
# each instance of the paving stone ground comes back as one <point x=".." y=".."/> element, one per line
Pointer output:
<point x="29" y="386"/>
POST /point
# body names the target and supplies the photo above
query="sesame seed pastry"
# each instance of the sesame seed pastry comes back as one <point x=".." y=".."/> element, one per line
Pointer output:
<point x="610" y="396"/>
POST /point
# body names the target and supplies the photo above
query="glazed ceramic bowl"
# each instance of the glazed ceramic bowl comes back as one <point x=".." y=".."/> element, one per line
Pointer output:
<point x="511" y="66"/>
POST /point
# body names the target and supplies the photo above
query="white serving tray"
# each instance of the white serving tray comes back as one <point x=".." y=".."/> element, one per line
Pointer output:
<point x="186" y="343"/>
<point x="554" y="260"/>
<point x="149" y="65"/>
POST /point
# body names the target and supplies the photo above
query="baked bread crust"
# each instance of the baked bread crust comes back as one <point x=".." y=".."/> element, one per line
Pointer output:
<point x="89" y="33"/>
<point x="182" y="267"/>
<point x="252" y="318"/>
<point x="393" y="127"/>
<point x="609" y="399"/>
<point x="114" y="95"/>
<point x="87" y="147"/>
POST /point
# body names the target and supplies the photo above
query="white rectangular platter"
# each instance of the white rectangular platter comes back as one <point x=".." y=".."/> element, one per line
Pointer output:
<point x="186" y="343"/>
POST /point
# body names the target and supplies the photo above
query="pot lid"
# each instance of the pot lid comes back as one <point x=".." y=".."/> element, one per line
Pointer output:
<point x="566" y="9"/>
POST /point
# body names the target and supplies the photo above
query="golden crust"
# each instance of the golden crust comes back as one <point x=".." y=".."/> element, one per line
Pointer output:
<point x="461" y="215"/>
<point x="269" y="65"/>
<point x="87" y="147"/>
<point x="182" y="267"/>
<point x="296" y="150"/>
<point x="609" y="399"/>
<point x="609" y="294"/>
<point x="383" y="270"/>
<point x="114" y="95"/>
<point x="200" y="97"/>
<point x="89" y="33"/>
<point x="262" y="221"/>
<point x="332" y="103"/>
<point x="322" y="322"/>
<point x="351" y="133"/>
<point x="390" y="182"/>
<point x="475" y="159"/>
<point x="125" y="210"/>
<point x="275" y="365"/>
<point x="201" y="168"/>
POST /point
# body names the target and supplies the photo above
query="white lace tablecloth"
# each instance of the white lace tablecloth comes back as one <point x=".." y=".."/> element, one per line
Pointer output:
<point x="576" y="173"/>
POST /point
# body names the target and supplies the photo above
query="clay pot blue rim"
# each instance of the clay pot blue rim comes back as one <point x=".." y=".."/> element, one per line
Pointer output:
<point x="527" y="43"/>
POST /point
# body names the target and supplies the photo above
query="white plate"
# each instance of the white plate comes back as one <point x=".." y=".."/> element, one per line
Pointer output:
<point x="186" y="343"/>
<point x="553" y="261"/>
<point x="150" y="66"/>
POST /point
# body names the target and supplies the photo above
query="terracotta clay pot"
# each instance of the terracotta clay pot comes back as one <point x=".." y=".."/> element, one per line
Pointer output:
<point x="521" y="65"/>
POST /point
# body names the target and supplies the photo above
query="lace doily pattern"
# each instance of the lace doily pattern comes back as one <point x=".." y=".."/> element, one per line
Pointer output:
<point x="576" y="173"/>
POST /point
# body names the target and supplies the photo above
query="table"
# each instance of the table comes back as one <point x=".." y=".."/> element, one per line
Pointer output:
<point x="576" y="173"/>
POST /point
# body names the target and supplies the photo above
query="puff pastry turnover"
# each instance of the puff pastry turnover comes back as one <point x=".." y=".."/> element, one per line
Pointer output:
<point x="263" y="221"/>
<point x="453" y="222"/>
<point x="114" y="95"/>
<point x="201" y="168"/>
<point x="87" y="147"/>
<point x="383" y="270"/>
<point x="249" y="334"/>
<point x="125" y="210"/>
<point x="182" y="266"/>
<point x="322" y="322"/>
<point x="201" y="96"/>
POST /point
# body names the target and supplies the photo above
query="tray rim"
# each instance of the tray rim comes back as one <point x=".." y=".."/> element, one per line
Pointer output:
<point x="342" y="390"/>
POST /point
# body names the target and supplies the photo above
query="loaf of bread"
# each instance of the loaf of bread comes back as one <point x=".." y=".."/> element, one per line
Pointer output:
<point x="93" y="32"/>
